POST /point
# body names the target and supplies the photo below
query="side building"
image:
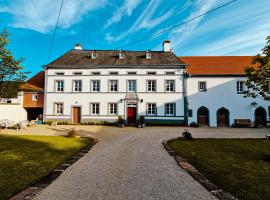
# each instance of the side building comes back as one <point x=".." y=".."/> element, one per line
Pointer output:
<point x="100" y="85"/>
<point x="215" y="92"/>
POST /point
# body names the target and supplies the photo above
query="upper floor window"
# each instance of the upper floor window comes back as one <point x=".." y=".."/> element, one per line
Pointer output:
<point x="151" y="109"/>
<point x="169" y="86"/>
<point x="170" y="73"/>
<point x="113" y="73"/>
<point x="240" y="86"/>
<point x="113" y="108"/>
<point x="59" y="86"/>
<point x="77" y="73"/>
<point x="34" y="97"/>
<point x="202" y="86"/>
<point x="131" y="86"/>
<point x="132" y="73"/>
<point x="95" y="73"/>
<point x="59" y="108"/>
<point x="113" y="85"/>
<point x="95" y="86"/>
<point x="152" y="73"/>
<point x="170" y="109"/>
<point x="60" y="73"/>
<point x="151" y="86"/>
<point x="77" y="86"/>
<point x="95" y="108"/>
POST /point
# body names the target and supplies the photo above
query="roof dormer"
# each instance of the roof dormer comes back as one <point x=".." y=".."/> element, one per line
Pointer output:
<point x="148" y="54"/>
<point x="93" y="54"/>
<point x="121" y="54"/>
<point x="78" y="47"/>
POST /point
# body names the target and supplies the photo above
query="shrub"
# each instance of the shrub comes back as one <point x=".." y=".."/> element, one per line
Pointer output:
<point x="187" y="135"/>
<point x="193" y="124"/>
<point x="72" y="133"/>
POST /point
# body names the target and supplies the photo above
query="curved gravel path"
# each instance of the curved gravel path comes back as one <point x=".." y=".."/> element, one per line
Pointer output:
<point x="128" y="163"/>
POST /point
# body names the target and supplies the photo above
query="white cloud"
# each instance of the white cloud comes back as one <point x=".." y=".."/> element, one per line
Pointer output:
<point x="126" y="9"/>
<point x="184" y="32"/>
<point x="41" y="15"/>
<point x="146" y="20"/>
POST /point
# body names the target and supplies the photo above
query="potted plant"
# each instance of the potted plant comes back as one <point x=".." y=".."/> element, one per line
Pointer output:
<point x="141" y="122"/>
<point x="120" y="122"/>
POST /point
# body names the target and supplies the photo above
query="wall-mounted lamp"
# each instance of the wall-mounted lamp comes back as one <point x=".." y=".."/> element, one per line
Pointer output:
<point x="141" y="100"/>
<point x="121" y="100"/>
<point x="254" y="104"/>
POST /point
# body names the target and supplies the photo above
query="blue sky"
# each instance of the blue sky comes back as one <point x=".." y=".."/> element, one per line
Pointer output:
<point x="238" y="29"/>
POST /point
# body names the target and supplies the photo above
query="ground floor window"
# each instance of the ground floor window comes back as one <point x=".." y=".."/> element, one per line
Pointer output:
<point x="95" y="108"/>
<point x="59" y="108"/>
<point x="170" y="109"/>
<point x="113" y="109"/>
<point x="151" y="109"/>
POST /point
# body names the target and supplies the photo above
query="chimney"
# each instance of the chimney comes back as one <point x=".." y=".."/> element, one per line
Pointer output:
<point x="167" y="46"/>
<point x="78" y="47"/>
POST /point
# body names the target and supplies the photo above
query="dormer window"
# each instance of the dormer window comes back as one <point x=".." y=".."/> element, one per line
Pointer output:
<point x="148" y="55"/>
<point x="121" y="54"/>
<point x="93" y="55"/>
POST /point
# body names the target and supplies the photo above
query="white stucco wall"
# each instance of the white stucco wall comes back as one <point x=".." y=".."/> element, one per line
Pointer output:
<point x="221" y="92"/>
<point x="104" y="97"/>
<point x="13" y="111"/>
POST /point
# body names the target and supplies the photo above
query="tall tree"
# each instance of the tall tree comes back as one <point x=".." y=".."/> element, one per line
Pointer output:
<point x="11" y="71"/>
<point x="258" y="82"/>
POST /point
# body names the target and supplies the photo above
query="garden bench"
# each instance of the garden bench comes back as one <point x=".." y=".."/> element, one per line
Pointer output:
<point x="242" y="123"/>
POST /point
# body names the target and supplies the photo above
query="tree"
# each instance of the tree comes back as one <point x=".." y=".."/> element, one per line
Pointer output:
<point x="258" y="76"/>
<point x="11" y="71"/>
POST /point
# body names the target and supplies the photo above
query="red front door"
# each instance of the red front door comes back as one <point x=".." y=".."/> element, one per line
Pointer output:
<point x="131" y="114"/>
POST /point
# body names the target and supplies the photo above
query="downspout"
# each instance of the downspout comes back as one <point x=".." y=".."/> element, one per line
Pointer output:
<point x="185" y="77"/>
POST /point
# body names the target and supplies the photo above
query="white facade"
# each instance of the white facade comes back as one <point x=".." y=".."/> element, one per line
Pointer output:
<point x="140" y="99"/>
<point x="221" y="92"/>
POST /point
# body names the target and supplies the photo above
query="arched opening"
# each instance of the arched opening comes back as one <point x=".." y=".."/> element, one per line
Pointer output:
<point x="203" y="116"/>
<point x="260" y="117"/>
<point x="223" y="117"/>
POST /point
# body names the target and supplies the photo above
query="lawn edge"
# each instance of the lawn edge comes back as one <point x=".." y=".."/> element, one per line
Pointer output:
<point x="195" y="174"/>
<point x="30" y="192"/>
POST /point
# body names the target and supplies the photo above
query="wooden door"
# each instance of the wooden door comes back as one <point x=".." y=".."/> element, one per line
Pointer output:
<point x="203" y="117"/>
<point x="76" y="115"/>
<point x="131" y="114"/>
<point x="223" y="117"/>
<point x="260" y="117"/>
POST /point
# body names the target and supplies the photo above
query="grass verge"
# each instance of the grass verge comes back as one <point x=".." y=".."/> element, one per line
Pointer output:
<point x="239" y="166"/>
<point x="26" y="159"/>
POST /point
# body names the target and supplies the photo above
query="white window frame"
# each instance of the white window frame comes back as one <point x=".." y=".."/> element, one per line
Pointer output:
<point x="58" y="108"/>
<point x="112" y="86"/>
<point x="202" y="86"/>
<point x="151" y="85"/>
<point x="34" y="97"/>
<point x="77" y="88"/>
<point x="153" y="109"/>
<point x="128" y="88"/>
<point x="240" y="86"/>
<point x="95" y="108"/>
<point x="95" y="86"/>
<point x="169" y="85"/>
<point x="113" y="108"/>
<point x="173" y="108"/>
<point x="61" y="87"/>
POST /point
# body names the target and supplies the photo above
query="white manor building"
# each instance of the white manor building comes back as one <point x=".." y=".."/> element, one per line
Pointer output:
<point x="100" y="85"/>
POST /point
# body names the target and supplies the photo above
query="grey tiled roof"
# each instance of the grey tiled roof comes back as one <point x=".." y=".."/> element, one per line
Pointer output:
<point x="109" y="59"/>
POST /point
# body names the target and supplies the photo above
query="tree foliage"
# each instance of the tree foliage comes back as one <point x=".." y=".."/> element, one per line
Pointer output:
<point x="258" y="76"/>
<point x="11" y="71"/>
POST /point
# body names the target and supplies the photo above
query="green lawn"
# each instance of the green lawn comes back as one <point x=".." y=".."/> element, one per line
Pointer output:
<point x="239" y="166"/>
<point x="26" y="159"/>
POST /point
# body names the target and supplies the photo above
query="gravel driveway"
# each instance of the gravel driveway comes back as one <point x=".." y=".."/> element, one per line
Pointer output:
<point x="130" y="163"/>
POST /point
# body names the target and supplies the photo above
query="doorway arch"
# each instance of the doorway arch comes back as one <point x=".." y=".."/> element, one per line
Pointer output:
<point x="203" y="116"/>
<point x="223" y="117"/>
<point x="260" y="117"/>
